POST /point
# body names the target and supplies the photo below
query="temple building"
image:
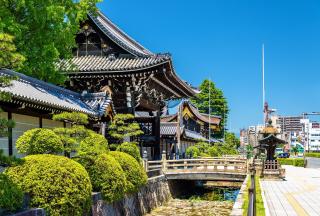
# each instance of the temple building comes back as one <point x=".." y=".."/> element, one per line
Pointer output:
<point x="109" y="73"/>
<point x="185" y="128"/>
<point x="138" y="81"/>
<point x="33" y="102"/>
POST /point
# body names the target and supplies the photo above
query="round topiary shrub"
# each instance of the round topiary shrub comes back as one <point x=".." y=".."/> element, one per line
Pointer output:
<point x="135" y="174"/>
<point x="106" y="176"/>
<point x="56" y="183"/>
<point x="93" y="144"/>
<point x="39" y="141"/>
<point x="131" y="149"/>
<point x="11" y="196"/>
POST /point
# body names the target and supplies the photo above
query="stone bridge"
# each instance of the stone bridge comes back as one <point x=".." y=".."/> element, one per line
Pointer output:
<point x="207" y="169"/>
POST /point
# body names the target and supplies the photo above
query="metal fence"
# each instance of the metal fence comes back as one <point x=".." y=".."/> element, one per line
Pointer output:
<point x="252" y="196"/>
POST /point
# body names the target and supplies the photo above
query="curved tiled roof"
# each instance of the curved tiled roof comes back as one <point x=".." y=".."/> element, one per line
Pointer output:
<point x="92" y="63"/>
<point x="168" y="128"/>
<point x="37" y="93"/>
<point x="202" y="116"/>
<point x="118" y="36"/>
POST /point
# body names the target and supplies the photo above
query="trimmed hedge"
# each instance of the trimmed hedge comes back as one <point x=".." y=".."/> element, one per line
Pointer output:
<point x="39" y="141"/>
<point x="312" y="154"/>
<point x="93" y="144"/>
<point x="299" y="162"/>
<point x="135" y="174"/>
<point x="11" y="196"/>
<point x="131" y="149"/>
<point x="55" y="183"/>
<point x="106" y="176"/>
<point x="193" y="152"/>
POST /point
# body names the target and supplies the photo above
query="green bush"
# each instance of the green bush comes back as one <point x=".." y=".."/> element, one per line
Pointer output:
<point x="106" y="176"/>
<point x="135" y="174"/>
<point x="313" y="154"/>
<point x="131" y="149"/>
<point x="11" y="196"/>
<point x="39" y="141"/>
<point x="56" y="183"/>
<point x="193" y="152"/>
<point x="93" y="144"/>
<point x="214" y="151"/>
<point x="299" y="162"/>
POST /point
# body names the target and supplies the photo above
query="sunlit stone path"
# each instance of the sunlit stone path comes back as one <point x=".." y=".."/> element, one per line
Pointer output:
<point x="298" y="195"/>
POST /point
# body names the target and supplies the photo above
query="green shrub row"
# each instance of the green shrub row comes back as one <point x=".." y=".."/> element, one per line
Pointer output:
<point x="313" y="154"/>
<point x="56" y="183"/>
<point x="299" y="162"/>
<point x="61" y="185"/>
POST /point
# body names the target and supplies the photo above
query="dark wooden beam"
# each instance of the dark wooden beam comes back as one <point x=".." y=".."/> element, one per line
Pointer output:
<point x="10" y="143"/>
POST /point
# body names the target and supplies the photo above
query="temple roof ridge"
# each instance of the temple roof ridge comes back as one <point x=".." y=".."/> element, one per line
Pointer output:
<point x="117" y="35"/>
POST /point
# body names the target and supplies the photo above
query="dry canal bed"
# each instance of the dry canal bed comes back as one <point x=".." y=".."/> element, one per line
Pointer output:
<point x="182" y="207"/>
<point x="200" y="199"/>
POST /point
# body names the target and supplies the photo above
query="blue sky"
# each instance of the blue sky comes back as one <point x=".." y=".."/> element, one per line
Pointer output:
<point x="223" y="39"/>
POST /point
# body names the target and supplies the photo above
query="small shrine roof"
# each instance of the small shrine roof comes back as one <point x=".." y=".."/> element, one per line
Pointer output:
<point x="193" y="135"/>
<point x="168" y="128"/>
<point x="271" y="138"/>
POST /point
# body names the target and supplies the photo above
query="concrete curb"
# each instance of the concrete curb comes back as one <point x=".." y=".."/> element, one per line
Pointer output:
<point x="237" y="209"/>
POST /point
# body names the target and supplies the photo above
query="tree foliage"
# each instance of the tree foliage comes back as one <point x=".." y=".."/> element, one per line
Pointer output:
<point x="44" y="32"/>
<point x="11" y="196"/>
<point x="232" y="140"/>
<point x="218" y="104"/>
<point x="9" y="58"/>
<point x="74" y="118"/>
<point x="5" y="124"/>
<point x="193" y="152"/>
<point x="124" y="127"/>
<point x="72" y="136"/>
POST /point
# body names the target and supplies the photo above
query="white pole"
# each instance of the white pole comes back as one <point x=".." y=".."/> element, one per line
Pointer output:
<point x="263" y="87"/>
<point x="209" y="109"/>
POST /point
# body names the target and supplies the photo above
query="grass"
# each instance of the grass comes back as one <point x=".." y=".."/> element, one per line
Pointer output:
<point x="313" y="154"/>
<point x="298" y="162"/>
<point x="259" y="201"/>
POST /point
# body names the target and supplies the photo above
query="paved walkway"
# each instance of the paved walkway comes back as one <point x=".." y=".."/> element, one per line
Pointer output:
<point x="298" y="195"/>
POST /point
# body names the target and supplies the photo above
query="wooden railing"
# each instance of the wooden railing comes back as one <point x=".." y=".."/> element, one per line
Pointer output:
<point x="210" y="165"/>
<point x="271" y="165"/>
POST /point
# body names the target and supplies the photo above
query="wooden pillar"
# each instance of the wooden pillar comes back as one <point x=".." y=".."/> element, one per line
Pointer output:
<point x="10" y="142"/>
<point x="40" y="122"/>
<point x="157" y="135"/>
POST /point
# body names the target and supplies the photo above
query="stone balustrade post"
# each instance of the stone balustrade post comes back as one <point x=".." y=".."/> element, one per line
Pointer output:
<point x="164" y="161"/>
<point x="225" y="166"/>
<point x="145" y="160"/>
<point x="205" y="165"/>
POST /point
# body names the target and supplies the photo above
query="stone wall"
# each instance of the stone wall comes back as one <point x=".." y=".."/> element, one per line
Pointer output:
<point x="154" y="194"/>
<point x="237" y="209"/>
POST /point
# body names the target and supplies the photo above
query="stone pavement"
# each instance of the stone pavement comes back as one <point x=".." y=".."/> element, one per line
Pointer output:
<point x="298" y="195"/>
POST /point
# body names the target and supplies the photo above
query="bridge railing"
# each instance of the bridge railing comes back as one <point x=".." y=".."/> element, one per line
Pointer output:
<point x="206" y="165"/>
<point x="214" y="164"/>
